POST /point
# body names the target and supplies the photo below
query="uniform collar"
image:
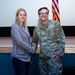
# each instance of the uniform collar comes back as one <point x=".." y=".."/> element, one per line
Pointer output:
<point x="43" y="27"/>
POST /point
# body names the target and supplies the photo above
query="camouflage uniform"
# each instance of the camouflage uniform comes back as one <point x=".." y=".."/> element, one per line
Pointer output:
<point x="52" y="42"/>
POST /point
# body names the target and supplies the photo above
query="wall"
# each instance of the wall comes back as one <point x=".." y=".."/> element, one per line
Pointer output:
<point x="8" y="9"/>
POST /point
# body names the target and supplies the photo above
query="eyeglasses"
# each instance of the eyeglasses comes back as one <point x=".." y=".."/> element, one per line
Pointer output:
<point x="46" y="13"/>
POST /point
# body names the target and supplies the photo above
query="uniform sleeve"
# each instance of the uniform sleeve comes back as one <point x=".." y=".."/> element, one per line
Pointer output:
<point x="16" y="35"/>
<point x="35" y="39"/>
<point x="60" y="40"/>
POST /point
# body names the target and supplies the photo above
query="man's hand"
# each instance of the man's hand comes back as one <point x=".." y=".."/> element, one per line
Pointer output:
<point x="57" y="58"/>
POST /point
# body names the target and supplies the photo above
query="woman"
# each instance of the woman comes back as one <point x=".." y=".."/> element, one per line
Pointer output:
<point x="21" y="44"/>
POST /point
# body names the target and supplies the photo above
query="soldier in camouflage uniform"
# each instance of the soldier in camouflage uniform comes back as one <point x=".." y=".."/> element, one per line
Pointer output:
<point x="52" y="43"/>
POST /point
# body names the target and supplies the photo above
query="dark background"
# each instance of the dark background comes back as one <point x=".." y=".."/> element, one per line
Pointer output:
<point x="68" y="30"/>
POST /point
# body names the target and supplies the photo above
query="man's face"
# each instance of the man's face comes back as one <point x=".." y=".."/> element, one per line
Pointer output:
<point x="43" y="15"/>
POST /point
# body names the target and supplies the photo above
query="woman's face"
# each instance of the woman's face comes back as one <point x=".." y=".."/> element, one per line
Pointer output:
<point x="21" y="17"/>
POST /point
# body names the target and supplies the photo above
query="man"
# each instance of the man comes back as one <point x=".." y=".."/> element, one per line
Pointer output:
<point x="52" y="44"/>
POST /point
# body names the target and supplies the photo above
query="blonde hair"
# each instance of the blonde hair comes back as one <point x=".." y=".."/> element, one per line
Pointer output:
<point x="17" y="12"/>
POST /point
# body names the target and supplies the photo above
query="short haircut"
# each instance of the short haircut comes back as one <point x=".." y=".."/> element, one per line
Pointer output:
<point x="43" y="8"/>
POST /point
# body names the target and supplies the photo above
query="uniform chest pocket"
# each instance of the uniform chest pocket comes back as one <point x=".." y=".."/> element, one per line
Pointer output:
<point x="51" y="34"/>
<point x="43" y="35"/>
